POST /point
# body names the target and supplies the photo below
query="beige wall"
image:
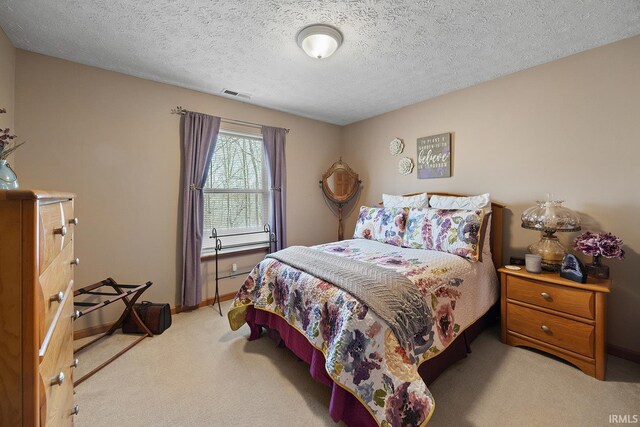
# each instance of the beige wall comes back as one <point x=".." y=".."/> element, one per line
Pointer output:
<point x="7" y="82"/>
<point x="571" y="127"/>
<point x="110" y="139"/>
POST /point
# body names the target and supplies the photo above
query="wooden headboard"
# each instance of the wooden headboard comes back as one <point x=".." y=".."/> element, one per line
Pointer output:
<point x="496" y="226"/>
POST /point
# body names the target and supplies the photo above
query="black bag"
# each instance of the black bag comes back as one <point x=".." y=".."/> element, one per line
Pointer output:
<point x="157" y="317"/>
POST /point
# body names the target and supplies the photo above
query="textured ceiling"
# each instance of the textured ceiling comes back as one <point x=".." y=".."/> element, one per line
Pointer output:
<point x="395" y="53"/>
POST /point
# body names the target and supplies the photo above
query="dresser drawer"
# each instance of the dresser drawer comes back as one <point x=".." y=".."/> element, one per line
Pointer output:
<point x="55" y="230"/>
<point x="54" y="280"/>
<point x="559" y="331"/>
<point x="56" y="400"/>
<point x="36" y="337"/>
<point x="561" y="298"/>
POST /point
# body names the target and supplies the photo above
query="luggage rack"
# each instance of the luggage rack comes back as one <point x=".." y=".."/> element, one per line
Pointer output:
<point x="271" y="240"/>
<point x="120" y="292"/>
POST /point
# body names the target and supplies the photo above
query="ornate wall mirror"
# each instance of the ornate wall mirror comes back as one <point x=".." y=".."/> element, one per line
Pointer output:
<point x="339" y="185"/>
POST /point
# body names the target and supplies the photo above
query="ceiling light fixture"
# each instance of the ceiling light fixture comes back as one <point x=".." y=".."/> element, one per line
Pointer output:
<point x="319" y="40"/>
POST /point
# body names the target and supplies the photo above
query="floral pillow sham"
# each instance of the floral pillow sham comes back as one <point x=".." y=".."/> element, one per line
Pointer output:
<point x="481" y="201"/>
<point x="456" y="231"/>
<point x="386" y="225"/>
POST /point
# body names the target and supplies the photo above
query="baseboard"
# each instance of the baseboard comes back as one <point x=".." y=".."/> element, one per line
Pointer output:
<point x="93" y="330"/>
<point x="623" y="353"/>
<point x="100" y="329"/>
<point x="208" y="301"/>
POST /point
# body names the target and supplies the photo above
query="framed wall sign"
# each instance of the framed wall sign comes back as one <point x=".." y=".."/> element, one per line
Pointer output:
<point x="434" y="156"/>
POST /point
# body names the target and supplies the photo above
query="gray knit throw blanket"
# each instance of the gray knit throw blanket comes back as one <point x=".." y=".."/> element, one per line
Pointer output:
<point x="393" y="297"/>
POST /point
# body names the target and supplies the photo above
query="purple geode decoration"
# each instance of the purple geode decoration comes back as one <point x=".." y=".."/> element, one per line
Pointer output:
<point x="600" y="244"/>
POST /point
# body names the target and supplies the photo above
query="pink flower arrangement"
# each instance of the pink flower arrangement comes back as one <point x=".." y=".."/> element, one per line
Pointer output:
<point x="599" y="244"/>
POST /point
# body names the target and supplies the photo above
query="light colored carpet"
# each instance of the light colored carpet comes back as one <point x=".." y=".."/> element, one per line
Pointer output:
<point x="200" y="373"/>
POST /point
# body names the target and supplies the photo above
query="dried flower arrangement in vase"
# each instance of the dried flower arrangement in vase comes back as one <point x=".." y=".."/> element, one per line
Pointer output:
<point x="8" y="178"/>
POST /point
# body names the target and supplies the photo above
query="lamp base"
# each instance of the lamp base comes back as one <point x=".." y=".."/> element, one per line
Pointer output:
<point x="551" y="251"/>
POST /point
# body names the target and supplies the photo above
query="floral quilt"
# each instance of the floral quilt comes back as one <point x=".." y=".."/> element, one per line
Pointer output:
<point x="362" y="353"/>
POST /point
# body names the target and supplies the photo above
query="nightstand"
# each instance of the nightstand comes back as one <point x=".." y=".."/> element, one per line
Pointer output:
<point x="557" y="316"/>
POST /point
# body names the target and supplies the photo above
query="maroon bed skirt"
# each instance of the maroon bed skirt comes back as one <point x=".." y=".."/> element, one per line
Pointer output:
<point x="343" y="405"/>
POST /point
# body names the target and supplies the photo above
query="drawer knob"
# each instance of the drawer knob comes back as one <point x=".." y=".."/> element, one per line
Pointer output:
<point x="75" y="410"/>
<point x="73" y="221"/>
<point x="545" y="328"/>
<point x="61" y="231"/>
<point x="59" y="297"/>
<point x="76" y="314"/>
<point x="75" y="363"/>
<point x="545" y="296"/>
<point x="75" y="261"/>
<point x="58" y="379"/>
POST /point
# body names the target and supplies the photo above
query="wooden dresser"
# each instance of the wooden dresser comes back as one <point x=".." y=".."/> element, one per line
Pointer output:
<point x="36" y="308"/>
<point x="556" y="315"/>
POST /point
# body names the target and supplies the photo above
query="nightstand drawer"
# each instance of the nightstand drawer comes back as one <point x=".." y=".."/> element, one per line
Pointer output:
<point x="559" y="331"/>
<point x="573" y="301"/>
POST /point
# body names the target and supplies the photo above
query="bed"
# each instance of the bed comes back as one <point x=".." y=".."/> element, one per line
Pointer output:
<point x="376" y="378"/>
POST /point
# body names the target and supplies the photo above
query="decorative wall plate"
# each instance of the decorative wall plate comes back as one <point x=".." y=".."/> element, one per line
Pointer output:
<point x="396" y="146"/>
<point x="405" y="166"/>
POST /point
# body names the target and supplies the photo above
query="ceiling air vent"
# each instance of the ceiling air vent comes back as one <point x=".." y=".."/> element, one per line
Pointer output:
<point x="236" y="94"/>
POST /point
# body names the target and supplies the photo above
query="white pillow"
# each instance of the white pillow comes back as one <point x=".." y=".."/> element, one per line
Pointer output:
<point x="417" y="201"/>
<point x="482" y="201"/>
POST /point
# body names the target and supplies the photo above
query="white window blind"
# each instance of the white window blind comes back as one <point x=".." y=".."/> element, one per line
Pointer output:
<point x="236" y="192"/>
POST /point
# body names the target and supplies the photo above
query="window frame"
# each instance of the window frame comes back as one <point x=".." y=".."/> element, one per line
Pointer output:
<point x="208" y="243"/>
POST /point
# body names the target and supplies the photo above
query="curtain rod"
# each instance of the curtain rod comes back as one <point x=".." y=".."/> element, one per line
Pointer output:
<point x="182" y="112"/>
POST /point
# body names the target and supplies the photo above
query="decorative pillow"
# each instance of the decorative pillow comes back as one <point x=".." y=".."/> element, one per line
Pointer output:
<point x="386" y="225"/>
<point x="456" y="231"/>
<point x="416" y="222"/>
<point x="482" y="201"/>
<point x="417" y="201"/>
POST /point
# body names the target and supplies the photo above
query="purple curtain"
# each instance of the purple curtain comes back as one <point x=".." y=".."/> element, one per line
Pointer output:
<point x="200" y="136"/>
<point x="274" y="142"/>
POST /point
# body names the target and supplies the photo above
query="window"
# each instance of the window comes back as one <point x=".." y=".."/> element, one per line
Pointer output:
<point x="236" y="192"/>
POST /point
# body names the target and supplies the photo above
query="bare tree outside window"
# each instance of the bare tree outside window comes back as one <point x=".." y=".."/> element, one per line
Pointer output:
<point x="236" y="194"/>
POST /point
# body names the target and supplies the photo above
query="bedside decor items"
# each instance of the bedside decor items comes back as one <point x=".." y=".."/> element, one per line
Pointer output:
<point x="8" y="178"/>
<point x="396" y="146"/>
<point x="599" y="245"/>
<point x="340" y="184"/>
<point x="434" y="156"/>
<point x="514" y="260"/>
<point x="405" y="166"/>
<point x="533" y="263"/>
<point x="573" y="269"/>
<point x="550" y="217"/>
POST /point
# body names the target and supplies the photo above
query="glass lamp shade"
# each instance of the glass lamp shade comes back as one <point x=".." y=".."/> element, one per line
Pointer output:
<point x="319" y="41"/>
<point x="549" y="217"/>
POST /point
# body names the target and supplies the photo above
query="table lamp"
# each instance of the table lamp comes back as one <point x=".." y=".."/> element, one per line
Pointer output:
<point x="549" y="217"/>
